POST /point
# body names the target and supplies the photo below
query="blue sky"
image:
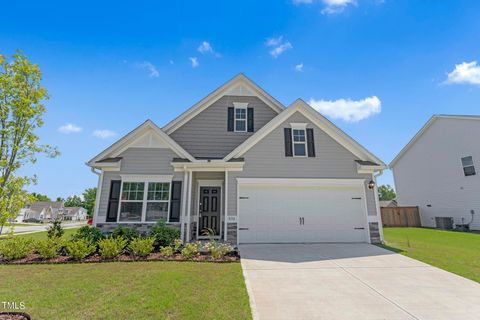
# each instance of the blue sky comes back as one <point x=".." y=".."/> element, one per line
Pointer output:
<point x="377" y="69"/>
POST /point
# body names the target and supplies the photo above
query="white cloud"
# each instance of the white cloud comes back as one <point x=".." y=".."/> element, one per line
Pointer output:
<point x="347" y="109"/>
<point x="103" y="134"/>
<point x="194" y="62"/>
<point x="279" y="46"/>
<point x="271" y="42"/>
<point x="150" y="67"/>
<point x="336" y="6"/>
<point x="299" y="67"/>
<point x="466" y="72"/>
<point x="206" y="48"/>
<point x="69" y="128"/>
<point x="302" y="1"/>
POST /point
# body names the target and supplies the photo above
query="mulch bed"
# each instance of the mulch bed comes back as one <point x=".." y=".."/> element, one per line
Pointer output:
<point x="35" y="258"/>
<point x="14" y="316"/>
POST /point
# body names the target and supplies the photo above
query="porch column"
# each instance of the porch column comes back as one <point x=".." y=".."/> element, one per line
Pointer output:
<point x="226" y="206"/>
<point x="189" y="204"/>
<point x="184" y="205"/>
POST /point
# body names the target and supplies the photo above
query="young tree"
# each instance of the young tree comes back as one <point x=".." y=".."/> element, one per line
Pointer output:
<point x="386" y="192"/>
<point x="89" y="196"/>
<point x="73" y="201"/>
<point x="21" y="110"/>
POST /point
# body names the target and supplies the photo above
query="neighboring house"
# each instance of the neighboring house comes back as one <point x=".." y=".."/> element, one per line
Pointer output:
<point x="438" y="171"/>
<point x="388" y="203"/>
<point x="74" y="213"/>
<point x="41" y="211"/>
<point x="241" y="164"/>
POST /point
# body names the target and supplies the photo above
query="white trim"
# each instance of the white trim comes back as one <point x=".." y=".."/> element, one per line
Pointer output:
<point x="299" y="142"/>
<point x="203" y="104"/>
<point x="365" y="205"/>
<point x="209" y="183"/>
<point x="146" y="178"/>
<point x="301" y="181"/>
<point x="209" y="166"/>
<point x="298" y="126"/>
<point x="239" y="106"/>
<point x="225" y="211"/>
<point x="184" y="205"/>
<point x="318" y="120"/>
<point x="189" y="204"/>
<point x="97" y="199"/>
<point x="377" y="205"/>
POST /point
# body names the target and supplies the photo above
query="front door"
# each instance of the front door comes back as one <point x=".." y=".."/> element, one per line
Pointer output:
<point x="209" y="211"/>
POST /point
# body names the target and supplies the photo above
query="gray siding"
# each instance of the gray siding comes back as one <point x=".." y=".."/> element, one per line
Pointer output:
<point x="206" y="134"/>
<point x="267" y="160"/>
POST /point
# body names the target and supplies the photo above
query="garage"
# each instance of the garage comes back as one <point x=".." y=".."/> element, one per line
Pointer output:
<point x="301" y="210"/>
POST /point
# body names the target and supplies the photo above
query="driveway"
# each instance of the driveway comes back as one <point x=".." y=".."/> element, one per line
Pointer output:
<point x="351" y="281"/>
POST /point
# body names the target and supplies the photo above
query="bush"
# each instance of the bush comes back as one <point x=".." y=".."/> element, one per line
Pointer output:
<point x="177" y="244"/>
<point x="15" y="248"/>
<point x="164" y="235"/>
<point x="166" y="251"/>
<point x="79" y="249"/>
<point x="90" y="234"/>
<point x="218" y="250"/>
<point x="125" y="232"/>
<point x="191" y="249"/>
<point x="49" y="247"/>
<point x="139" y="247"/>
<point x="55" y="230"/>
<point x="111" y="247"/>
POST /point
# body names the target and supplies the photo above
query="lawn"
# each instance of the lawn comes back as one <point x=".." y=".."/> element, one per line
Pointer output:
<point x="128" y="290"/>
<point x="457" y="252"/>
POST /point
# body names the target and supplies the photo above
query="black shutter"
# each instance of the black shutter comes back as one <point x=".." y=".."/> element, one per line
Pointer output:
<point x="230" y="120"/>
<point x="250" y="119"/>
<point x="113" y="201"/>
<point x="288" y="142"/>
<point x="310" y="143"/>
<point x="175" y="201"/>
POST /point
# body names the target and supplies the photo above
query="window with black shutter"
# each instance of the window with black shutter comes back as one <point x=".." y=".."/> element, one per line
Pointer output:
<point x="175" y="201"/>
<point x="113" y="201"/>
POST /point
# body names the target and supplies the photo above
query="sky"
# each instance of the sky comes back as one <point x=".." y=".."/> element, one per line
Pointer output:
<point x="378" y="69"/>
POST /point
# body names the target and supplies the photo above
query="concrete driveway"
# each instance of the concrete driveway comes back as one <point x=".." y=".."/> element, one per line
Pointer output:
<point x="351" y="281"/>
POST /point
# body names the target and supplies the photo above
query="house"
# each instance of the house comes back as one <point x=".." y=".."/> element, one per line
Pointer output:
<point x="438" y="172"/>
<point x="74" y="213"/>
<point x="388" y="203"/>
<point x="240" y="164"/>
<point x="42" y="211"/>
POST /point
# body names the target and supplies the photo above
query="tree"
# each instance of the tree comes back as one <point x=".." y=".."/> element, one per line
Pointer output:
<point x="386" y="193"/>
<point x="39" y="197"/>
<point x="22" y="107"/>
<point x="73" y="201"/>
<point x="60" y="199"/>
<point x="89" y="196"/>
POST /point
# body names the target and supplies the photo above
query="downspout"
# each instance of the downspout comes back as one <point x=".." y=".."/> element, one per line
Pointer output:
<point x="97" y="196"/>
<point x="377" y="202"/>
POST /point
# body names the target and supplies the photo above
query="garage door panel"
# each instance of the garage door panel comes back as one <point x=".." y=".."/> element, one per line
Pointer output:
<point x="271" y="213"/>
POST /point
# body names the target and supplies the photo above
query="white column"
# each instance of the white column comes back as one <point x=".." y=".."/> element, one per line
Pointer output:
<point x="189" y="204"/>
<point x="97" y="200"/>
<point x="184" y="205"/>
<point x="377" y="204"/>
<point x="226" y="205"/>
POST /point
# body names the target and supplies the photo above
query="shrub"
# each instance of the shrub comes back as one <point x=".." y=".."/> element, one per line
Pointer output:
<point x="191" y="249"/>
<point x="163" y="234"/>
<point x="218" y="250"/>
<point x="55" y="230"/>
<point x="166" y="251"/>
<point x="79" y="249"/>
<point x="15" y="248"/>
<point x="111" y="247"/>
<point x="125" y="232"/>
<point x="88" y="233"/>
<point x="49" y="247"/>
<point x="177" y="244"/>
<point x="139" y="247"/>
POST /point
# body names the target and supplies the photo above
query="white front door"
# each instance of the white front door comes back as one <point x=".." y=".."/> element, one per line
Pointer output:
<point x="281" y="212"/>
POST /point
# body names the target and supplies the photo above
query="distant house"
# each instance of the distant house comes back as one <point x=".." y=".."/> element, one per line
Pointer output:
<point x="43" y="211"/>
<point x="74" y="213"/>
<point x="387" y="203"/>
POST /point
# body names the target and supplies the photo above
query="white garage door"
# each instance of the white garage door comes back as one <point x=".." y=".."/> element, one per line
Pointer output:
<point x="275" y="211"/>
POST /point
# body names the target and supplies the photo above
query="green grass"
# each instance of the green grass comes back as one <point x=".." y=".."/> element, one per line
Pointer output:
<point x="131" y="290"/>
<point x="43" y="234"/>
<point x="457" y="252"/>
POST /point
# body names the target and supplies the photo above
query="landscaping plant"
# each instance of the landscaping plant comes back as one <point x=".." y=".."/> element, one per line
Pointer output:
<point x="55" y="230"/>
<point x="88" y="233"/>
<point x="49" y="248"/>
<point x="15" y="248"/>
<point x="166" y="251"/>
<point x="177" y="244"/>
<point x="163" y="234"/>
<point x="79" y="249"/>
<point x="191" y="249"/>
<point x="111" y="247"/>
<point x="218" y="250"/>
<point x="125" y="232"/>
<point x="141" y="247"/>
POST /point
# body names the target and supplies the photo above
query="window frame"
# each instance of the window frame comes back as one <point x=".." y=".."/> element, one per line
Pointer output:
<point x="468" y="166"/>
<point x="240" y="106"/>
<point x="299" y="127"/>
<point x="146" y="180"/>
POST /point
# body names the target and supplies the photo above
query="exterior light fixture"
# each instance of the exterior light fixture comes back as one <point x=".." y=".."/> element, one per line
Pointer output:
<point x="371" y="185"/>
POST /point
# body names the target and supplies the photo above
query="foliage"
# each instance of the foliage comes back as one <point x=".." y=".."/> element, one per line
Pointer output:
<point x="218" y="250"/>
<point x="91" y="234"/>
<point x="191" y="249"/>
<point x="79" y="249"/>
<point x="166" y="251"/>
<point x="177" y="244"/>
<point x="112" y="247"/>
<point x="55" y="230"/>
<point x="163" y="234"/>
<point x="21" y="110"/>
<point x="60" y="199"/>
<point x="15" y="248"/>
<point x="73" y="201"/>
<point x="141" y="247"/>
<point x="386" y="192"/>
<point x="89" y="196"/>
<point x="39" y="197"/>
<point x="125" y="232"/>
<point x="49" y="247"/>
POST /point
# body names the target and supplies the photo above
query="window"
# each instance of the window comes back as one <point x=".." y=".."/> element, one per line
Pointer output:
<point x="299" y="143"/>
<point x="240" y="119"/>
<point x="468" y="167"/>
<point x="144" y="201"/>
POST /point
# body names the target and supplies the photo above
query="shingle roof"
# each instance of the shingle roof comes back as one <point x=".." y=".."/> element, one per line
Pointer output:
<point x="38" y="206"/>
